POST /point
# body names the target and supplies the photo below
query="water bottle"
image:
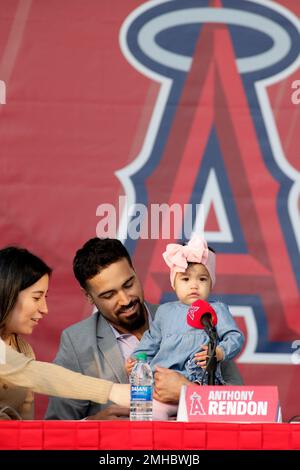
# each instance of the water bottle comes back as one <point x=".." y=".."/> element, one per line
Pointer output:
<point x="141" y="390"/>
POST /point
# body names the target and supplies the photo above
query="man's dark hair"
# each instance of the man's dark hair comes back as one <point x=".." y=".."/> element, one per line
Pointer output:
<point x="19" y="269"/>
<point x="95" y="255"/>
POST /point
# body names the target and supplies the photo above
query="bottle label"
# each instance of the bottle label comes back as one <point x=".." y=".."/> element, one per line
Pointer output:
<point x="141" y="392"/>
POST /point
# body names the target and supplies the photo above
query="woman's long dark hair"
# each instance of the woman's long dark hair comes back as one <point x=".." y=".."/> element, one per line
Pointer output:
<point x="19" y="269"/>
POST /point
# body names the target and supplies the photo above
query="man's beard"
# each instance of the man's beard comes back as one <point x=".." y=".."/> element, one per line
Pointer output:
<point x="135" y="321"/>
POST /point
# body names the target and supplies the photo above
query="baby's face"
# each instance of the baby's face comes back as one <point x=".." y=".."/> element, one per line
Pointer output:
<point x="193" y="284"/>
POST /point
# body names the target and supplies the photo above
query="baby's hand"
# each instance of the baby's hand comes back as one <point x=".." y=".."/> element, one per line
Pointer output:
<point x="129" y="365"/>
<point x="201" y="357"/>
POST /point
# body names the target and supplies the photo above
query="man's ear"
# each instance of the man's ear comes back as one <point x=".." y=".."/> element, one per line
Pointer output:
<point x="87" y="295"/>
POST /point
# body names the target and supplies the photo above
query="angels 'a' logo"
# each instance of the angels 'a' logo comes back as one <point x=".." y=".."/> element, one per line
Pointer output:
<point x="191" y="312"/>
<point x="212" y="139"/>
<point x="196" y="407"/>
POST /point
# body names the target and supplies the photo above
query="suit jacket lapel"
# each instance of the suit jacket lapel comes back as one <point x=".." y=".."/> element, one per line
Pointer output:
<point x="107" y="343"/>
<point x="152" y="309"/>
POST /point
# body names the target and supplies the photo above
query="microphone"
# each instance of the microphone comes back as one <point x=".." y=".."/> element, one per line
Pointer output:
<point x="201" y="315"/>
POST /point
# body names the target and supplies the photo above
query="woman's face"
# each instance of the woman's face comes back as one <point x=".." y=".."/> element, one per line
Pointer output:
<point x="30" y="307"/>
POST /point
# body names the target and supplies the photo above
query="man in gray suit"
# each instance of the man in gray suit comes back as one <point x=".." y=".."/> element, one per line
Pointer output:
<point x="99" y="345"/>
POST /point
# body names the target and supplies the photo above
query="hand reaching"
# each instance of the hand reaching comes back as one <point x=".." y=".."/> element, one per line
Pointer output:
<point x="120" y="394"/>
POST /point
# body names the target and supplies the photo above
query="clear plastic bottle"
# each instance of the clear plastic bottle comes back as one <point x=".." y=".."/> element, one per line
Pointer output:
<point x="141" y="390"/>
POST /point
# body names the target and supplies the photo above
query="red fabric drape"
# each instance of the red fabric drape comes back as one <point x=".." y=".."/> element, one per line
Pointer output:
<point x="109" y="435"/>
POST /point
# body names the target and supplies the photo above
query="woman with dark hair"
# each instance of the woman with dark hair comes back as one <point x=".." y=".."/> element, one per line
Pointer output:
<point x="24" y="280"/>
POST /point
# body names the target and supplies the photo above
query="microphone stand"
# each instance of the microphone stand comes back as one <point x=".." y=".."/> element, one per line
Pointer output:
<point x="211" y="363"/>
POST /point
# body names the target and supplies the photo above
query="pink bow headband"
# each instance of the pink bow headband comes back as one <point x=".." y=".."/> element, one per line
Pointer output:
<point x="196" y="251"/>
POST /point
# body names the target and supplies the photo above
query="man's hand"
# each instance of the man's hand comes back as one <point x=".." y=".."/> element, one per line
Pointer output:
<point x="110" y="413"/>
<point x="168" y="384"/>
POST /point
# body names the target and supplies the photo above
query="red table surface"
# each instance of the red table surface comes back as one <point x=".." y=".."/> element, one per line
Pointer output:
<point x="123" y="435"/>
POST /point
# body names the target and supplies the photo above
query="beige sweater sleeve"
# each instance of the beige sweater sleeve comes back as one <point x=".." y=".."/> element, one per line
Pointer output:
<point x="51" y="379"/>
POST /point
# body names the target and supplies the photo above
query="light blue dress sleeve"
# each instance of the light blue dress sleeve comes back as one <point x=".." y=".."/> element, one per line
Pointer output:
<point x="231" y="339"/>
<point x="151" y="339"/>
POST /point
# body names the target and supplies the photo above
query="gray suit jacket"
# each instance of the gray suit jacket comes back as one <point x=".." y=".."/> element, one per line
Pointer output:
<point x="90" y="347"/>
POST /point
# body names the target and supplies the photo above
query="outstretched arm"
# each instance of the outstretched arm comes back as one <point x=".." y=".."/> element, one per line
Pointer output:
<point x="54" y="380"/>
